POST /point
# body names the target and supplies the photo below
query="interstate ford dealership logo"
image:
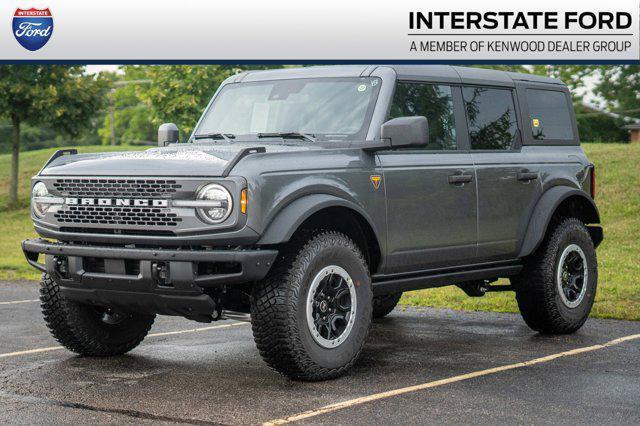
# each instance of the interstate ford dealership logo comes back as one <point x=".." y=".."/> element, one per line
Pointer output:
<point x="32" y="27"/>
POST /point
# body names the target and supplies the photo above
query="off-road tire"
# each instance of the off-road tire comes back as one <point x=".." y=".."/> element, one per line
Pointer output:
<point x="79" y="328"/>
<point x="278" y="308"/>
<point x="536" y="286"/>
<point x="383" y="305"/>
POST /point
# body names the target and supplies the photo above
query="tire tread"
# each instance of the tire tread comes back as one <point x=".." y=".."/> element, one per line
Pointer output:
<point x="536" y="292"/>
<point x="273" y="308"/>
<point x="65" y="322"/>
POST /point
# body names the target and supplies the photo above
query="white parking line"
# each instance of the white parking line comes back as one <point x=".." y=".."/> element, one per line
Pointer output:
<point x="395" y="392"/>
<point x="17" y="302"/>
<point x="197" y="330"/>
<point x="30" y="351"/>
<point x="167" y="333"/>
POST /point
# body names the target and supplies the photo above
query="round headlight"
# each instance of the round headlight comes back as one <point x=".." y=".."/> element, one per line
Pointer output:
<point x="39" y="190"/>
<point x="219" y="203"/>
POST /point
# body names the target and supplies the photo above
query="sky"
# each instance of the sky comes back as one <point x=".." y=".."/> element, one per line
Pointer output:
<point x="92" y="69"/>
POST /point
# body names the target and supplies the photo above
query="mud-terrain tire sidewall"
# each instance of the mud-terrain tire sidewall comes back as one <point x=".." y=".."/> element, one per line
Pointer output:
<point x="385" y="304"/>
<point x="537" y="288"/>
<point x="578" y="315"/>
<point x="345" y="258"/>
<point x="78" y="327"/>
<point x="279" y="306"/>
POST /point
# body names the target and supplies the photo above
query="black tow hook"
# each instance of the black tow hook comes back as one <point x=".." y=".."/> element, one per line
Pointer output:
<point x="61" y="266"/>
<point x="161" y="274"/>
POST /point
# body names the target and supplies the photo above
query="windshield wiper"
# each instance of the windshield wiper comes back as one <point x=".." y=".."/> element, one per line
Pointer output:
<point x="289" y="135"/>
<point x="225" y="136"/>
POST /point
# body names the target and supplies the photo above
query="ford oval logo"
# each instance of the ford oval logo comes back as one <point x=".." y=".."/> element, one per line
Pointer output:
<point x="32" y="27"/>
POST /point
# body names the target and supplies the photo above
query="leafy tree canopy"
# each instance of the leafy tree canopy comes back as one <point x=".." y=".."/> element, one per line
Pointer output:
<point x="62" y="97"/>
<point x="620" y="88"/>
<point x="179" y="93"/>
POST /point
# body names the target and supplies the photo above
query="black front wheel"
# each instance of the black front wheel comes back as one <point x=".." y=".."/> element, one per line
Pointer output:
<point x="90" y="330"/>
<point x="311" y="316"/>
<point x="556" y="289"/>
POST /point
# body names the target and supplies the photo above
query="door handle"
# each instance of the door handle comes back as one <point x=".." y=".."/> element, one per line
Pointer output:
<point x="458" y="179"/>
<point x="526" y="175"/>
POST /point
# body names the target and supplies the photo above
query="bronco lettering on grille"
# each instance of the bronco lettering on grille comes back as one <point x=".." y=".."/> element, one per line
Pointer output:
<point x="135" y="202"/>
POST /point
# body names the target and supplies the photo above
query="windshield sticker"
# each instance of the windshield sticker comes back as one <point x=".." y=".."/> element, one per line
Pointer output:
<point x="536" y="122"/>
<point x="362" y="88"/>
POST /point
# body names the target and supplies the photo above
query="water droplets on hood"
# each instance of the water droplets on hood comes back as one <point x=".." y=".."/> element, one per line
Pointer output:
<point x="184" y="154"/>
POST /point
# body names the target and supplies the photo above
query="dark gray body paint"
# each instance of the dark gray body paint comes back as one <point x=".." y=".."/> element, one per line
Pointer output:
<point x="420" y="220"/>
<point x="430" y="222"/>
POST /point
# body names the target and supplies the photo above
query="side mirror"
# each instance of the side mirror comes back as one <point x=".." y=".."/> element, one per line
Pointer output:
<point x="168" y="133"/>
<point x="406" y="132"/>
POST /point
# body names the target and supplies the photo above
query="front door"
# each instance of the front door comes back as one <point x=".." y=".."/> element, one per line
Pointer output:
<point x="431" y="209"/>
<point x="430" y="192"/>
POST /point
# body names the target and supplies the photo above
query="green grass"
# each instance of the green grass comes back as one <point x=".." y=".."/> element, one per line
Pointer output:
<point x="618" y="197"/>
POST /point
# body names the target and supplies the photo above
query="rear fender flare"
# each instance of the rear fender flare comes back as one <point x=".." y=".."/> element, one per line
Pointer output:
<point x="543" y="212"/>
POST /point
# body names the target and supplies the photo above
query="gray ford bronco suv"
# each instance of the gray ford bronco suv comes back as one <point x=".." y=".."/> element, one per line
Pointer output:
<point x="309" y="199"/>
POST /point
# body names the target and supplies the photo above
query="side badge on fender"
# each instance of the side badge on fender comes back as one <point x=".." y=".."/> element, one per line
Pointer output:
<point x="375" y="181"/>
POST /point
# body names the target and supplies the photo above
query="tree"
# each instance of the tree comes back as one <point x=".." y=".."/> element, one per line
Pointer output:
<point x="595" y="125"/>
<point x="620" y="88"/>
<point x="129" y="118"/>
<point x="180" y="93"/>
<point x="59" y="96"/>
<point x="572" y="75"/>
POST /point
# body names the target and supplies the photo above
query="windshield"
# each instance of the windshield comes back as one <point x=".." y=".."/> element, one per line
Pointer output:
<point x="326" y="108"/>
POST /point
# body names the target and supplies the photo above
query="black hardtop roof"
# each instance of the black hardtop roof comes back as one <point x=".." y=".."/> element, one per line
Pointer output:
<point x="439" y="73"/>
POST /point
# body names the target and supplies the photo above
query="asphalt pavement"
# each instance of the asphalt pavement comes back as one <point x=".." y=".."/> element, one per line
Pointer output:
<point x="419" y="366"/>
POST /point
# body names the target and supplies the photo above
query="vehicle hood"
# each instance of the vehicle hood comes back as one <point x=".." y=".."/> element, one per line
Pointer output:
<point x="189" y="160"/>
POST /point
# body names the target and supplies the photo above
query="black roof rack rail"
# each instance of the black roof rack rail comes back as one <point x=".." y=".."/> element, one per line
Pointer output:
<point x="240" y="155"/>
<point x="58" y="153"/>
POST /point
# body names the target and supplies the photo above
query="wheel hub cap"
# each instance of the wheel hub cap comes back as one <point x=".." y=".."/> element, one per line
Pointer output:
<point x="572" y="276"/>
<point x="331" y="306"/>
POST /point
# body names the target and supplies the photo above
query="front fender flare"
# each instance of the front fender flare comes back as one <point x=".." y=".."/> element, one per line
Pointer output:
<point x="543" y="212"/>
<point x="289" y="219"/>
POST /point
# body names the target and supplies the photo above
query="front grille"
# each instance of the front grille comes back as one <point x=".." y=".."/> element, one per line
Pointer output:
<point x="110" y="215"/>
<point x="113" y="188"/>
<point x="110" y="231"/>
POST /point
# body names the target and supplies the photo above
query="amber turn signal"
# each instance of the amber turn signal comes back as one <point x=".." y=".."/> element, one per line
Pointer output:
<point x="243" y="201"/>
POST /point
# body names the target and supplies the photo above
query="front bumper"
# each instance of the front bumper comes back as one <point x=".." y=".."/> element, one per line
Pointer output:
<point x="165" y="281"/>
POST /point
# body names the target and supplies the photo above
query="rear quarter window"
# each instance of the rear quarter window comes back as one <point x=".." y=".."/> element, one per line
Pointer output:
<point x="549" y="115"/>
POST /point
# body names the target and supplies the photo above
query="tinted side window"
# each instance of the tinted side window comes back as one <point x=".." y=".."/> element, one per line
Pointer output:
<point x="432" y="101"/>
<point x="549" y="115"/>
<point x="491" y="117"/>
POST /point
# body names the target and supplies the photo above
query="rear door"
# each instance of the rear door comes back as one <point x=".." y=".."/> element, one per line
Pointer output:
<point x="430" y="192"/>
<point x="508" y="181"/>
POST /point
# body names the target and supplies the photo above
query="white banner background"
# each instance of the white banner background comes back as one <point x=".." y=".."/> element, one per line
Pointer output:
<point x="286" y="30"/>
